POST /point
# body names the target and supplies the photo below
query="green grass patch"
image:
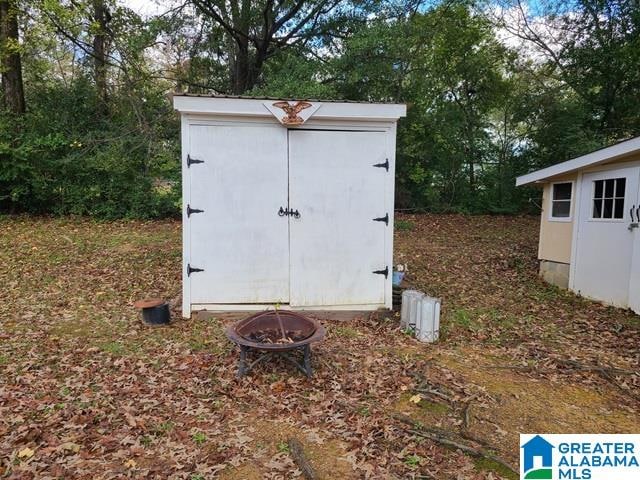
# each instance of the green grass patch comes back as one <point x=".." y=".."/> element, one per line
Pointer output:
<point x="114" y="348"/>
<point x="364" y="411"/>
<point x="433" y="407"/>
<point x="199" y="438"/>
<point x="412" y="461"/>
<point x="462" y="318"/>
<point x="346" y="332"/>
<point x="404" y="225"/>
<point x="491" y="466"/>
<point x="164" y="428"/>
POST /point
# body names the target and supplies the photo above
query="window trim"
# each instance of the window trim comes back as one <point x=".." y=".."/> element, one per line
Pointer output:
<point x="592" y="198"/>
<point x="551" y="218"/>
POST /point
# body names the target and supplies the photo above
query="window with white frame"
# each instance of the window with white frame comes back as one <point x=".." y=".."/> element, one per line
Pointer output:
<point x="561" y="200"/>
<point x="608" y="198"/>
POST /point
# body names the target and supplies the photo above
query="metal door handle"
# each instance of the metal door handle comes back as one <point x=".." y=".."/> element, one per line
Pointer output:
<point x="282" y="212"/>
<point x="295" y="214"/>
<point x="634" y="221"/>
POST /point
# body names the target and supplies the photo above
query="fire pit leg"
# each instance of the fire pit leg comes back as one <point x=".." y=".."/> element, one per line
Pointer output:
<point x="242" y="363"/>
<point x="307" y="360"/>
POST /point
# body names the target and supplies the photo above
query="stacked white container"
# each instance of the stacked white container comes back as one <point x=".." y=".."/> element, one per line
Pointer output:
<point x="421" y="314"/>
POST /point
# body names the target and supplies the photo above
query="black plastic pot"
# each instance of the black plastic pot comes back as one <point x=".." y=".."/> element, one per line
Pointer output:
<point x="157" y="315"/>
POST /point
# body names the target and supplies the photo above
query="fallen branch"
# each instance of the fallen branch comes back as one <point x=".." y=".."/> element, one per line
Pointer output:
<point x="430" y="391"/>
<point x="475" y="452"/>
<point x="447" y="441"/>
<point x="410" y="421"/>
<point x="465" y="415"/>
<point x="297" y="453"/>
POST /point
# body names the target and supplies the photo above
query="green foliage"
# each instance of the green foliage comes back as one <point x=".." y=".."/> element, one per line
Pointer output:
<point x="59" y="159"/>
<point x="479" y="112"/>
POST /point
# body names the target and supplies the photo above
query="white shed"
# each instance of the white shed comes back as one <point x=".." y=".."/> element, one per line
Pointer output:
<point x="287" y="203"/>
<point x="590" y="224"/>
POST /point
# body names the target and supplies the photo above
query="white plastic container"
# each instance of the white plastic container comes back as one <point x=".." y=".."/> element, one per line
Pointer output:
<point x="409" y="308"/>
<point x="428" y="320"/>
<point x="421" y="314"/>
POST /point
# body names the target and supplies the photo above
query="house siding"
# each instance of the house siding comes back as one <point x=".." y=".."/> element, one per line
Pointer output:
<point x="556" y="236"/>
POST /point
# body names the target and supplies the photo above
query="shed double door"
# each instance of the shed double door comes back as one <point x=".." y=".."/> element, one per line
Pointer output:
<point x="243" y="250"/>
<point x="607" y="260"/>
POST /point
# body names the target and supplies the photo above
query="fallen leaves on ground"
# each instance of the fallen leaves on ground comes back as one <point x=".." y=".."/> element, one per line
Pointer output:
<point x="88" y="391"/>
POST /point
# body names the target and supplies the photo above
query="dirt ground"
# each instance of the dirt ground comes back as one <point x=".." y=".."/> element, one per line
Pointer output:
<point x="88" y="392"/>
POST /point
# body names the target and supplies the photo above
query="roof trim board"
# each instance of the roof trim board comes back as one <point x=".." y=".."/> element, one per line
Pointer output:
<point x="598" y="157"/>
<point x="254" y="107"/>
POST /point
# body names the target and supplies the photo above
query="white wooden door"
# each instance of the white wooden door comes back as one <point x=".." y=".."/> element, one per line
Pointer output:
<point x="605" y="245"/>
<point x="239" y="241"/>
<point x="335" y="243"/>
<point x="634" y="280"/>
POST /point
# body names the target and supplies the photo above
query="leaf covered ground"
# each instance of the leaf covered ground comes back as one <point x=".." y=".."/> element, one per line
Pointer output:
<point x="88" y="392"/>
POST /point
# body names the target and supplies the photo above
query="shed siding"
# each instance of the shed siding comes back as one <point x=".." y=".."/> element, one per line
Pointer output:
<point x="555" y="236"/>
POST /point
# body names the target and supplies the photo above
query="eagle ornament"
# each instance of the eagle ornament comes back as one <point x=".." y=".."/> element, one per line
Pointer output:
<point x="292" y="111"/>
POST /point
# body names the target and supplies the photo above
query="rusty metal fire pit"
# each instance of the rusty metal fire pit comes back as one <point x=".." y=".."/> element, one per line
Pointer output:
<point x="275" y="334"/>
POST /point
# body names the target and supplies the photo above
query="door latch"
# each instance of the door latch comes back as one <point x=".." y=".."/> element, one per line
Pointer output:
<point x="283" y="212"/>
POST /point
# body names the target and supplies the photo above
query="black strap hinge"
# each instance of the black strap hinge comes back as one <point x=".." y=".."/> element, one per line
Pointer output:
<point x="384" y="165"/>
<point x="192" y="210"/>
<point x="191" y="270"/>
<point x="384" y="219"/>
<point x="384" y="272"/>
<point x="191" y="161"/>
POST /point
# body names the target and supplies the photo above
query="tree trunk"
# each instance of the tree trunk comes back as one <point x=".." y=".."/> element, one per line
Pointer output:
<point x="12" y="84"/>
<point x="240" y="70"/>
<point x="102" y="17"/>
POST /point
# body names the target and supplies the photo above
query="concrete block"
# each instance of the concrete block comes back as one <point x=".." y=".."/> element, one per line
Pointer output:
<point x="555" y="273"/>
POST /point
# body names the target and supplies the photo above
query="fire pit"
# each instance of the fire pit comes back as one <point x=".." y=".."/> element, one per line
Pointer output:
<point x="275" y="334"/>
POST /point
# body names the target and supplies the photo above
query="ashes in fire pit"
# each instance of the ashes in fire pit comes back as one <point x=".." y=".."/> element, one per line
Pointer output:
<point x="275" y="334"/>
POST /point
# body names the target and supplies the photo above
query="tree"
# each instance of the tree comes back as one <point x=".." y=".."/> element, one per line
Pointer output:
<point x="591" y="46"/>
<point x="257" y="30"/>
<point x="10" y="61"/>
<point x="102" y="17"/>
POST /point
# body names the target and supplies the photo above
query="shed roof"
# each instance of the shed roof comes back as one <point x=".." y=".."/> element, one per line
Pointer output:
<point x="260" y="107"/>
<point x="260" y="97"/>
<point x="598" y="157"/>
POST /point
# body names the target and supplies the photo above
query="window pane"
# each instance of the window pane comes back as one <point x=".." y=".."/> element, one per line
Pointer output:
<point x="607" y="208"/>
<point x="562" y="191"/>
<point x="598" y="190"/>
<point x="597" y="208"/>
<point x="618" y="208"/>
<point x="608" y="188"/>
<point x="620" y="186"/>
<point x="561" y="209"/>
